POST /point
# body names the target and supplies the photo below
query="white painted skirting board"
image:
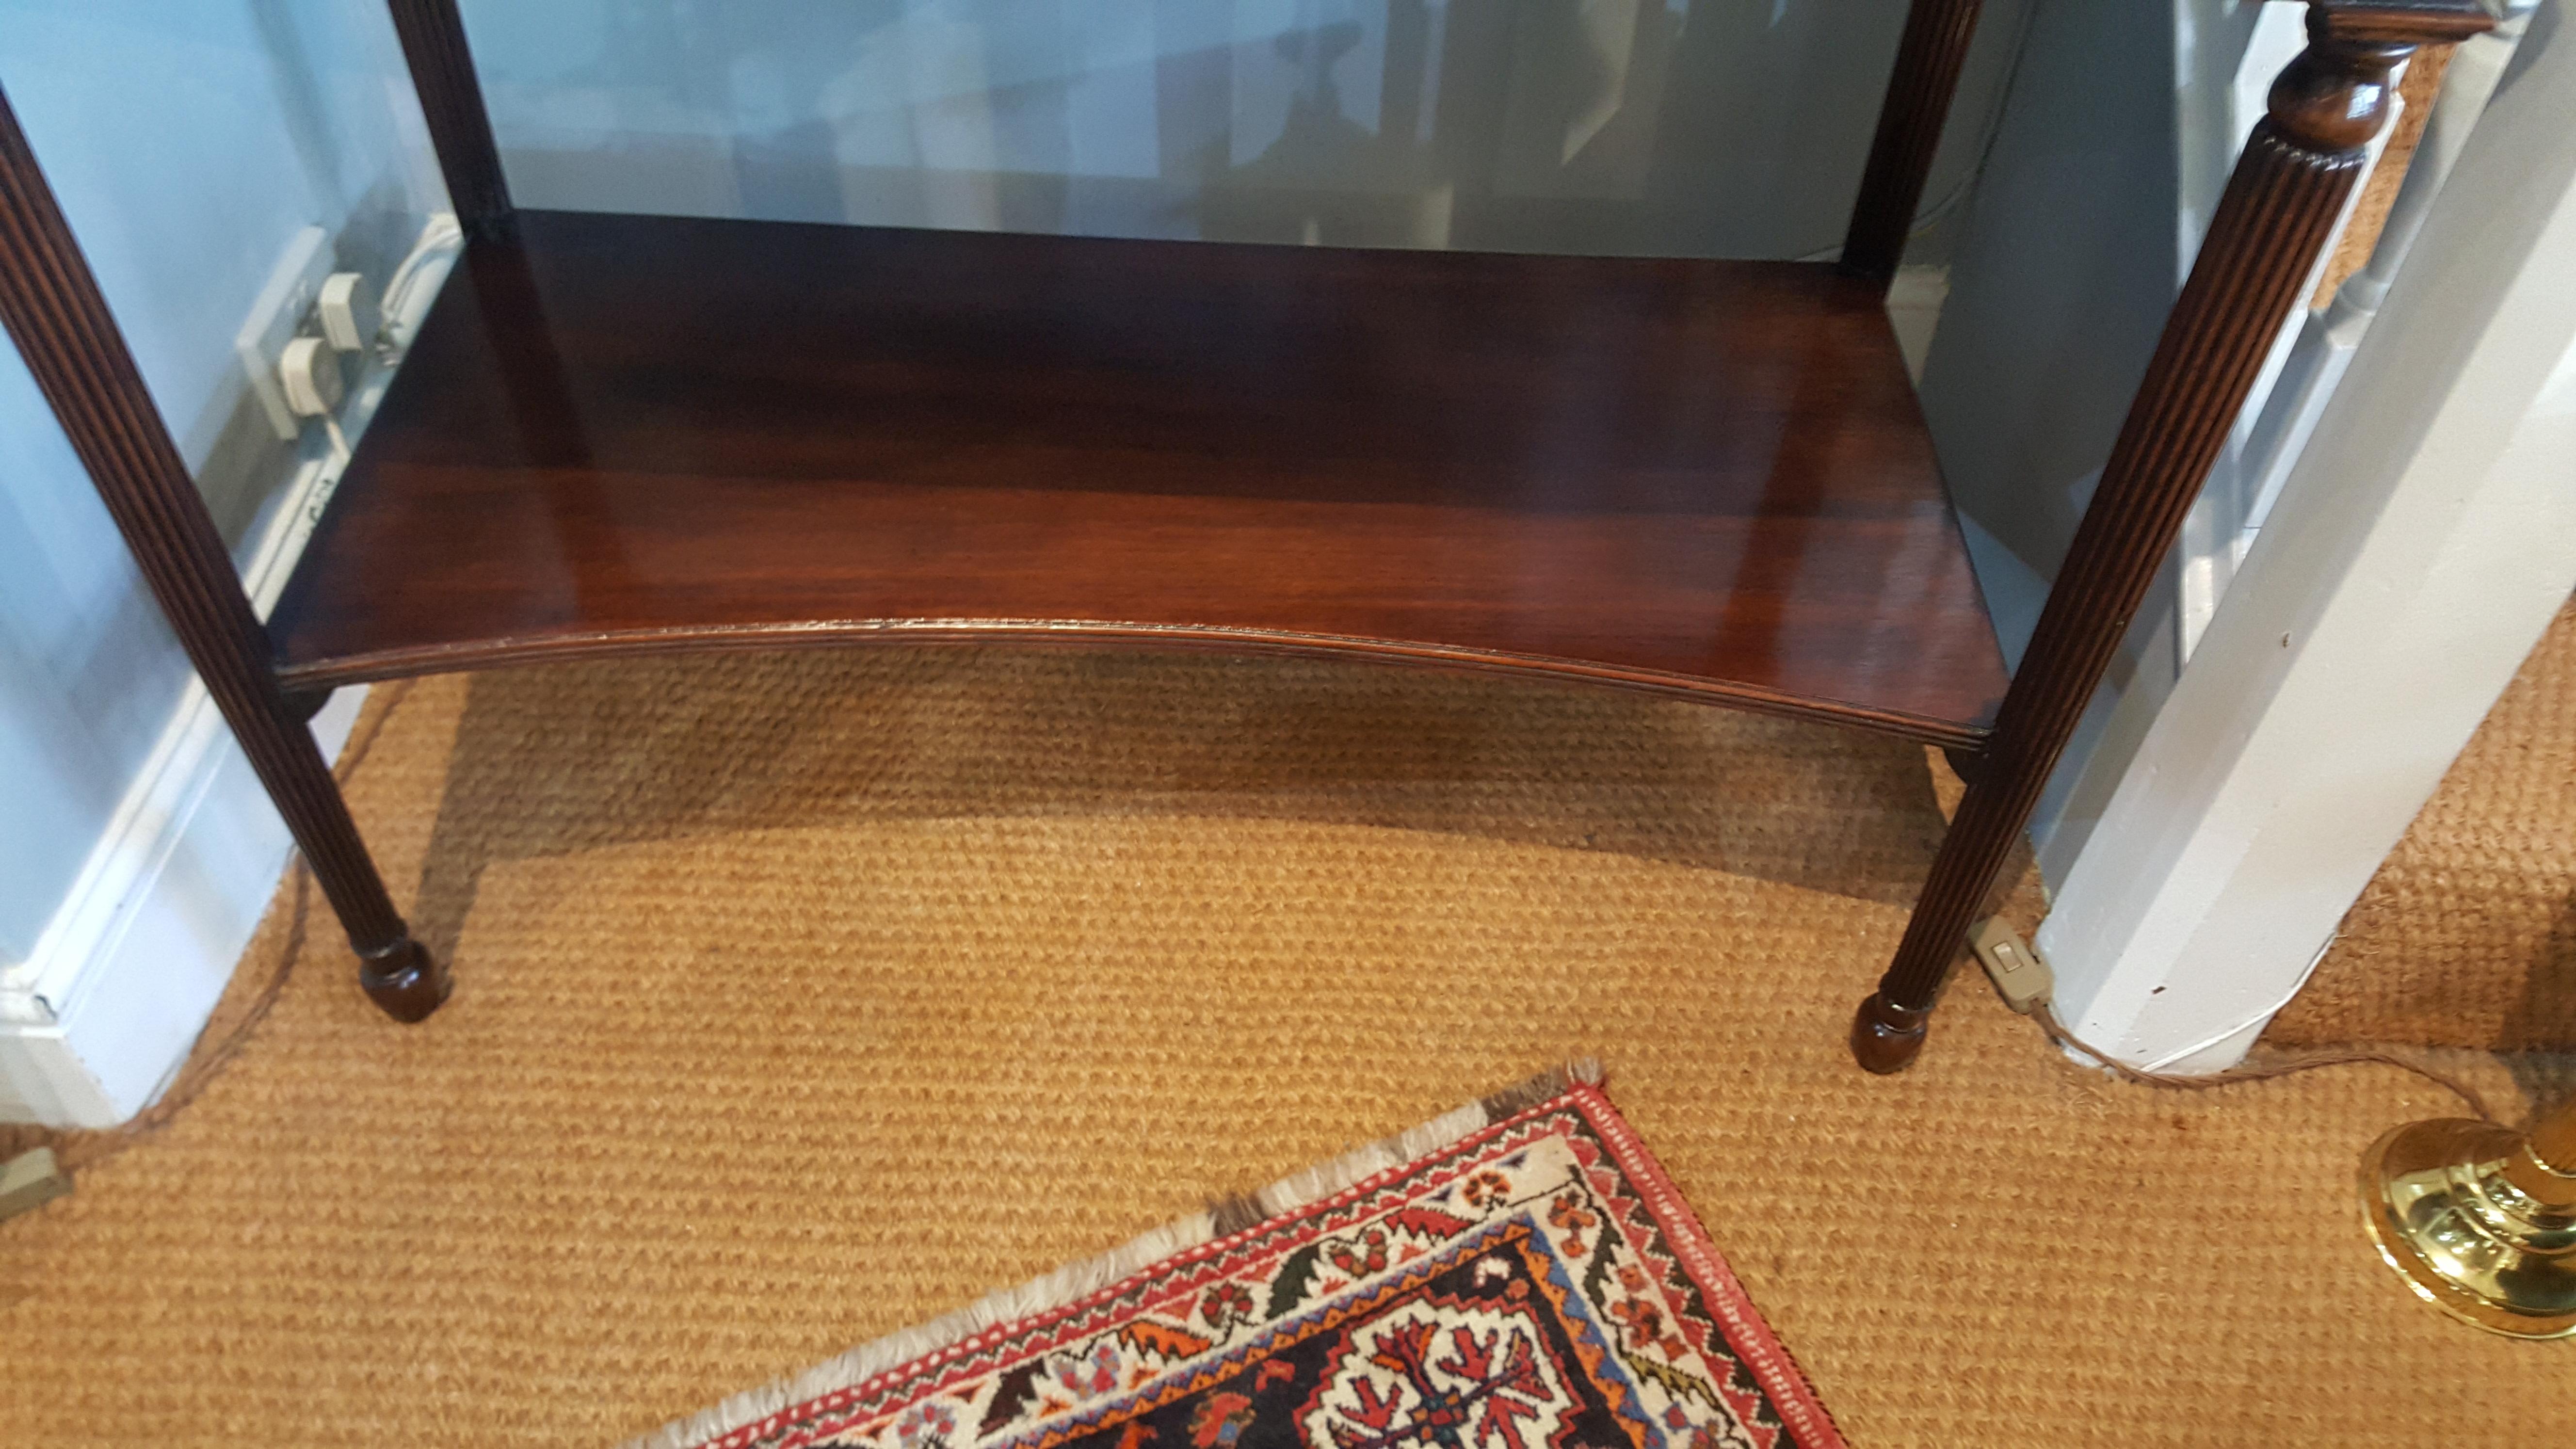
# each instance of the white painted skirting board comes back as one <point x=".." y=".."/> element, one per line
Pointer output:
<point x="2421" y="545"/>
<point x="94" y="1022"/>
<point x="99" y="1016"/>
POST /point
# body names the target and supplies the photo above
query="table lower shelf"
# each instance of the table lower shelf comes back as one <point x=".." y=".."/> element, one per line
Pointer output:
<point x="638" y="433"/>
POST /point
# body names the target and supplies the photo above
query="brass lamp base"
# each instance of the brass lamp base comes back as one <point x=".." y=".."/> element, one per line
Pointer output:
<point x="2477" y="1223"/>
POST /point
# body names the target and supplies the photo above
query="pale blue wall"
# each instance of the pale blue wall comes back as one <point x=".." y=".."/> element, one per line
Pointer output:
<point x="60" y="569"/>
<point x="1691" y="127"/>
<point x="2073" y="249"/>
<point x="187" y="141"/>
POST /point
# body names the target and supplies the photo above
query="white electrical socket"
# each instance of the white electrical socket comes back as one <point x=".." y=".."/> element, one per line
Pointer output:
<point x="288" y="298"/>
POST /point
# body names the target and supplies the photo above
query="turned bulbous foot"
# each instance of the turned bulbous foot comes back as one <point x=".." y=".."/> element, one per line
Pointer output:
<point x="404" y="980"/>
<point x="1886" y="1037"/>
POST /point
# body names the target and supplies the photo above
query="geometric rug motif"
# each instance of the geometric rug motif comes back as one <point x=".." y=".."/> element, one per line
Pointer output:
<point x="1517" y="1275"/>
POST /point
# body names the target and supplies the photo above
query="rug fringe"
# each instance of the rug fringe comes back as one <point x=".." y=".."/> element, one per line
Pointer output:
<point x="1079" y="1280"/>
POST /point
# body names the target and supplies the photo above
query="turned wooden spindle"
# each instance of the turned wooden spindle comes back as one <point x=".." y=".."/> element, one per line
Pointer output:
<point x="2289" y="186"/>
<point x="52" y="307"/>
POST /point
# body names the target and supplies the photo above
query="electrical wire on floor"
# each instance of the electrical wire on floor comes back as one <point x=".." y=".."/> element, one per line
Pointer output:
<point x="2045" y="1013"/>
<point x="205" y="1062"/>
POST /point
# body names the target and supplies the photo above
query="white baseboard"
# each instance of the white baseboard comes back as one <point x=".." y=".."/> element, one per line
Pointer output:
<point x="99" y="1016"/>
<point x="101" y="1013"/>
<point x="123" y="976"/>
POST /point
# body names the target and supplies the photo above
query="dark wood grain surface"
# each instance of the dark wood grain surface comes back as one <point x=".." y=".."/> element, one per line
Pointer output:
<point x="621" y="432"/>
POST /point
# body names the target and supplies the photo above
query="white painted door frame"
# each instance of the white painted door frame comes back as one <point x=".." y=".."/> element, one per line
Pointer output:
<point x="2277" y="423"/>
<point x="2421" y="545"/>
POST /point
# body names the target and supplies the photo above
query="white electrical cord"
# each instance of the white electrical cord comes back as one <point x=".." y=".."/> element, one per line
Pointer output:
<point x="2257" y="1019"/>
<point x="339" y="441"/>
<point x="439" y="242"/>
<point x="2046" y="1019"/>
<point x="2026" y="985"/>
<point x="439" y="236"/>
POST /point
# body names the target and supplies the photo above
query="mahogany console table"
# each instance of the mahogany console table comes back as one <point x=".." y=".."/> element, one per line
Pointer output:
<point x="618" y="434"/>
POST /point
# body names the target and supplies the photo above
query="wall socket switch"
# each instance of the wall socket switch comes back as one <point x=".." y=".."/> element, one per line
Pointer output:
<point x="29" y="1180"/>
<point x="2021" y="978"/>
<point x="293" y="289"/>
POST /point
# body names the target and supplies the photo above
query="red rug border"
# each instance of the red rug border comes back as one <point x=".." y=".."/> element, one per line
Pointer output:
<point x="948" y="1354"/>
<point x="1784" y="1383"/>
<point x="1747" y="1331"/>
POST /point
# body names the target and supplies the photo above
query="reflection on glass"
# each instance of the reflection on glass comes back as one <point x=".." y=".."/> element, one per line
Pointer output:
<point x="1684" y="127"/>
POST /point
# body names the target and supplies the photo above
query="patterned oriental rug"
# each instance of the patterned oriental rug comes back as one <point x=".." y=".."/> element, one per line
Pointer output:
<point x="1516" y="1275"/>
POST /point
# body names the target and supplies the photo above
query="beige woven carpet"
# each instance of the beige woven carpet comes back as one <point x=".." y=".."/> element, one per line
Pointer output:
<point x="803" y="998"/>
<point x="2467" y="936"/>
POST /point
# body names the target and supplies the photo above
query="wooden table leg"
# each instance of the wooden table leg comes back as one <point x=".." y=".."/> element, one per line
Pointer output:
<point x="2290" y="184"/>
<point x="52" y="307"/>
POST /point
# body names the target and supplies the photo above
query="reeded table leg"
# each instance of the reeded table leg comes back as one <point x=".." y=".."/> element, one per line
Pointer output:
<point x="53" y="310"/>
<point x="1888" y="1031"/>
<point x="2290" y="184"/>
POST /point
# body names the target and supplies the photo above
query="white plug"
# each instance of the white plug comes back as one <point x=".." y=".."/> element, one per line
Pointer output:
<point x="310" y="374"/>
<point x="349" y="311"/>
<point x="275" y="317"/>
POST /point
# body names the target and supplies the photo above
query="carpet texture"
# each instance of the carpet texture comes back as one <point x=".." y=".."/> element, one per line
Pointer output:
<point x="803" y="998"/>
<point x="2467" y="935"/>
<point x="2418" y="88"/>
<point x="1515" y="1274"/>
